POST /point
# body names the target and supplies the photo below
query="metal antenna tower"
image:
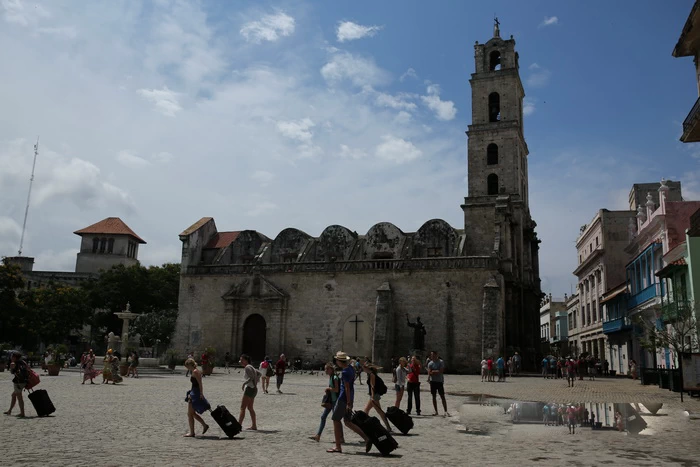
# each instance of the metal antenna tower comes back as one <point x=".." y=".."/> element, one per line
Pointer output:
<point x="29" y="195"/>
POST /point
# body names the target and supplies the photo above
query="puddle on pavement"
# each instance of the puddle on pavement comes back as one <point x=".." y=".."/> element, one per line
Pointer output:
<point x="608" y="416"/>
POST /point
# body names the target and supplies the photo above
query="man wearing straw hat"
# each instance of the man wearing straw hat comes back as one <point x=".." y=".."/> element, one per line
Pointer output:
<point x="342" y="411"/>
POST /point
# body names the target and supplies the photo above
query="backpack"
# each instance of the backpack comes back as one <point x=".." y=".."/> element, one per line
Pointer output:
<point x="379" y="386"/>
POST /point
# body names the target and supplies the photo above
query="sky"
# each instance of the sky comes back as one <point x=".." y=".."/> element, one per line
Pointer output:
<point x="267" y="115"/>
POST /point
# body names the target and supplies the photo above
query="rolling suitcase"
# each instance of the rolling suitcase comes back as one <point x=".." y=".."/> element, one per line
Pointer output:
<point x="373" y="429"/>
<point x="226" y="421"/>
<point x="41" y="402"/>
<point x="400" y="419"/>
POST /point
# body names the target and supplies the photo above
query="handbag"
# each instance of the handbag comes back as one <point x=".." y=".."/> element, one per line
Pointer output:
<point x="326" y="401"/>
<point x="32" y="379"/>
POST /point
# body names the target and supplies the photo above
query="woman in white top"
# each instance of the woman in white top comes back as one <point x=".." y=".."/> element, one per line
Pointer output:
<point x="250" y="390"/>
<point x="401" y="371"/>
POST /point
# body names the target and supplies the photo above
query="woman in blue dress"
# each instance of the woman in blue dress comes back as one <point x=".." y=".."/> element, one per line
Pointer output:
<point x="196" y="402"/>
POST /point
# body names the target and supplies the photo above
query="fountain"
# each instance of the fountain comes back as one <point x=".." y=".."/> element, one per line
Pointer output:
<point x="126" y="315"/>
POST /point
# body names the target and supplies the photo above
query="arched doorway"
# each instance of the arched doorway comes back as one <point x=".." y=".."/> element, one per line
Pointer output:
<point x="254" y="336"/>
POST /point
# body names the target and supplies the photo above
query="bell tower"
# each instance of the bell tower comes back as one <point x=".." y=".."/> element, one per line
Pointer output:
<point x="497" y="219"/>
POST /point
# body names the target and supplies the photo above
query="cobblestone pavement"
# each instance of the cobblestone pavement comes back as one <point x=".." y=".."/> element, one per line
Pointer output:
<point x="141" y="422"/>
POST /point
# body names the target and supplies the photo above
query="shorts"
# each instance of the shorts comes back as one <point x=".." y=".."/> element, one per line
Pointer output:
<point x="376" y="397"/>
<point x="484" y="372"/>
<point x="250" y="392"/>
<point x="340" y="410"/>
<point x="437" y="388"/>
<point x="398" y="388"/>
<point x="19" y="387"/>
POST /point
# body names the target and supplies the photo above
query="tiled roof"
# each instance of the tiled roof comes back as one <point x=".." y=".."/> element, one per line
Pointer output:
<point x="222" y="239"/>
<point x="194" y="227"/>
<point x="110" y="226"/>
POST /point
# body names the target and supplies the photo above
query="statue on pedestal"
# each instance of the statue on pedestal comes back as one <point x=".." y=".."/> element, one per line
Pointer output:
<point x="418" y="333"/>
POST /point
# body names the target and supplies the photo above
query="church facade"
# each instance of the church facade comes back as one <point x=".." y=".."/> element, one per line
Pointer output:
<point x="476" y="289"/>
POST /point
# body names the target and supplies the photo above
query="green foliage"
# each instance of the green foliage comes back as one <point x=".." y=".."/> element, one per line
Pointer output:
<point x="59" y="352"/>
<point x="10" y="307"/>
<point x="675" y="328"/>
<point x="156" y="326"/>
<point x="172" y="358"/>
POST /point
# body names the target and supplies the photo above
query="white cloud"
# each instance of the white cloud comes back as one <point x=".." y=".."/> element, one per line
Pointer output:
<point x="261" y="208"/>
<point x="268" y="28"/>
<point x="528" y="106"/>
<point x="351" y="153"/>
<point x="162" y="157"/>
<point x="349" y="31"/>
<point x="57" y="261"/>
<point x="359" y="71"/>
<point x="549" y="21"/>
<point x="10" y="233"/>
<point x="165" y="100"/>
<point x="63" y="31"/>
<point x="398" y="102"/>
<point x="299" y="130"/>
<point x="444" y="110"/>
<point x="539" y="76"/>
<point x="22" y="13"/>
<point x="131" y="161"/>
<point x="397" y="150"/>
<point x="263" y="177"/>
<point x="403" y="118"/>
<point x="410" y="73"/>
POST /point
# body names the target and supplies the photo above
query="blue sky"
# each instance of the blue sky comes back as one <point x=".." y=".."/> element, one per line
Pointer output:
<point x="268" y="115"/>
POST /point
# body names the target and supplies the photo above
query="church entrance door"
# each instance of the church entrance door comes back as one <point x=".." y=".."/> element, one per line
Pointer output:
<point x="254" y="336"/>
<point x="357" y="336"/>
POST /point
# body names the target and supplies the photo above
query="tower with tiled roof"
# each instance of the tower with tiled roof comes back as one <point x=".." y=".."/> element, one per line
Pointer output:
<point x="105" y="244"/>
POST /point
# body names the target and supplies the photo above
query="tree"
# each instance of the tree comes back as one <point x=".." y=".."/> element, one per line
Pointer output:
<point x="675" y="328"/>
<point x="53" y="312"/>
<point x="156" y="327"/>
<point x="11" y="309"/>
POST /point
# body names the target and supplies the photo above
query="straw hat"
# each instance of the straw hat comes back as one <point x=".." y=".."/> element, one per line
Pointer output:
<point x="342" y="356"/>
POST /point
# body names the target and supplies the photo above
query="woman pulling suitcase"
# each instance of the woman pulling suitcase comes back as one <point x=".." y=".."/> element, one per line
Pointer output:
<point x="196" y="402"/>
<point x="377" y="388"/>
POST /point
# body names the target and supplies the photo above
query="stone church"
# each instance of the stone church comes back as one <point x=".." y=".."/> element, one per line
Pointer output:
<point x="476" y="289"/>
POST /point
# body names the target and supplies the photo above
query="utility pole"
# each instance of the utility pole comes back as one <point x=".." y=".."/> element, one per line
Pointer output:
<point x="29" y="195"/>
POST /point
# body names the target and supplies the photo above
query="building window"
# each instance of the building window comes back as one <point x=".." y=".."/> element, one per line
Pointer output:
<point x="103" y="245"/>
<point x="495" y="61"/>
<point x="95" y="244"/>
<point x="492" y="154"/>
<point x="494" y="107"/>
<point x="595" y="312"/>
<point x="492" y="184"/>
<point x="110" y="246"/>
<point x="588" y="313"/>
<point x="434" y="252"/>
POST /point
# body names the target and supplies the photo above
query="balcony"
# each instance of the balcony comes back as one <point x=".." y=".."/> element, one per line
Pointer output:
<point x="677" y="310"/>
<point x="691" y="125"/>
<point x="617" y="325"/>
<point x="641" y="297"/>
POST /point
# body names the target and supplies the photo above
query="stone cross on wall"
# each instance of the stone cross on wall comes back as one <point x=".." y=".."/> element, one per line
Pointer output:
<point x="356" y="321"/>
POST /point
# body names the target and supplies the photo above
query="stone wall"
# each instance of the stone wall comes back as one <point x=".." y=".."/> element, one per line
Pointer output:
<point x="310" y="322"/>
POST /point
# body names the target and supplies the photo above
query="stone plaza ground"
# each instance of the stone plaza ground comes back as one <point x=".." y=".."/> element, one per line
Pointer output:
<point x="141" y="422"/>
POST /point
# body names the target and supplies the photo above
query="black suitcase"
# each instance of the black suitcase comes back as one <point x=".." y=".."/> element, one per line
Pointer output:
<point x="42" y="402"/>
<point x="372" y="427"/>
<point x="226" y="421"/>
<point x="400" y="419"/>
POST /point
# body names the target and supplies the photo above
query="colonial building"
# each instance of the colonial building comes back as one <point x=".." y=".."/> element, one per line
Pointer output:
<point x="689" y="46"/>
<point x="601" y="264"/>
<point x="104" y="244"/>
<point x="572" y="312"/>
<point x="476" y="289"/>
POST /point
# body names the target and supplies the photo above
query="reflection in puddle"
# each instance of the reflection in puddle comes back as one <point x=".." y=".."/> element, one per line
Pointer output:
<point x="596" y="416"/>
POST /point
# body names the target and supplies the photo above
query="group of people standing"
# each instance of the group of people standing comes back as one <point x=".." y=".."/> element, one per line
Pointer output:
<point x="490" y="368"/>
<point x="570" y="368"/>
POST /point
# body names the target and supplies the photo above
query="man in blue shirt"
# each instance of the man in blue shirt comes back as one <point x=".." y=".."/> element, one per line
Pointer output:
<point x="501" y="367"/>
<point x="342" y="411"/>
<point x="436" y="368"/>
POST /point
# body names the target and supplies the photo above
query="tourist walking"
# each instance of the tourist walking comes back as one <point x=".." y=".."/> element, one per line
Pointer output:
<point x="280" y="368"/>
<point x="18" y="367"/>
<point x="250" y="390"/>
<point x="571" y="415"/>
<point x="329" y="398"/>
<point x="484" y="370"/>
<point x="570" y="373"/>
<point x="227" y="362"/>
<point x="107" y="367"/>
<point x="413" y="385"/>
<point x="436" y="369"/>
<point x="114" y="362"/>
<point x="133" y="365"/>
<point x="376" y="389"/>
<point x="400" y="374"/>
<point x="89" y="371"/>
<point x="196" y="402"/>
<point x="342" y="411"/>
<point x="266" y="371"/>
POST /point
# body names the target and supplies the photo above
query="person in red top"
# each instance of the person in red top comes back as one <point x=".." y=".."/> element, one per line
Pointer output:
<point x="571" y="413"/>
<point x="489" y="366"/>
<point x="570" y="372"/>
<point x="204" y="363"/>
<point x="280" y="368"/>
<point x="413" y="384"/>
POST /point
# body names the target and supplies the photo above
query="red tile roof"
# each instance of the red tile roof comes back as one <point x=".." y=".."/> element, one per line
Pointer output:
<point x="222" y="239"/>
<point x="110" y="226"/>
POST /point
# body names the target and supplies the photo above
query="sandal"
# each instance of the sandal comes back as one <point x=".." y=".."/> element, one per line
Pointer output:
<point x="206" y="427"/>
<point x="314" y="438"/>
<point x="334" y="450"/>
<point x="188" y="435"/>
<point x="8" y="413"/>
